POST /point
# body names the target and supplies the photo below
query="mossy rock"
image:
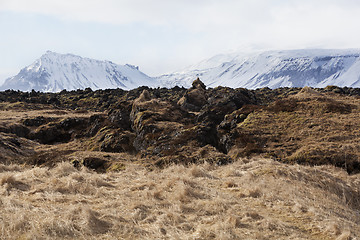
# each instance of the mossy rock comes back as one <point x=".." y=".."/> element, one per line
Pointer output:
<point x="317" y="156"/>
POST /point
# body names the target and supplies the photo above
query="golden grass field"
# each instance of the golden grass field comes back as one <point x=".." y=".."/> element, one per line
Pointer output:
<point x="249" y="199"/>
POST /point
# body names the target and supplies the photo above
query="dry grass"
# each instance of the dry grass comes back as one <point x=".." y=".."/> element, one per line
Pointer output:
<point x="257" y="199"/>
<point x="11" y="116"/>
<point x="307" y="128"/>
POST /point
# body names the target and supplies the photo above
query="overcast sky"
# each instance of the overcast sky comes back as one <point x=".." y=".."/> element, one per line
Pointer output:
<point x="166" y="35"/>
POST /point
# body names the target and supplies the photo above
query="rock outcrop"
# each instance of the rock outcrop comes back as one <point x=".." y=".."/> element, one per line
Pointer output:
<point x="194" y="98"/>
<point x="164" y="126"/>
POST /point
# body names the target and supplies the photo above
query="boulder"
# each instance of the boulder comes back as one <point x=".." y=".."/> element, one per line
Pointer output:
<point x="118" y="141"/>
<point x="49" y="134"/>
<point x="195" y="97"/>
<point x="95" y="163"/>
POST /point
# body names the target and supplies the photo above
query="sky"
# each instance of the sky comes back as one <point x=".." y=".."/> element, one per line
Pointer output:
<point x="162" y="36"/>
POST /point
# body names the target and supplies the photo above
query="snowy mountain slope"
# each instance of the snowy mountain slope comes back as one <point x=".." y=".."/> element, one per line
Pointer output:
<point x="291" y="68"/>
<point x="54" y="72"/>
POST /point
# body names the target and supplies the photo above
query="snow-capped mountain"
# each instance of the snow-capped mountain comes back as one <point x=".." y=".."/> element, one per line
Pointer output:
<point x="290" y="68"/>
<point x="54" y="72"/>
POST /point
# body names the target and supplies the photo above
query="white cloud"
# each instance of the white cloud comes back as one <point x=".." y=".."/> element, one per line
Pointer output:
<point x="185" y="12"/>
<point x="213" y="26"/>
<point x="108" y="11"/>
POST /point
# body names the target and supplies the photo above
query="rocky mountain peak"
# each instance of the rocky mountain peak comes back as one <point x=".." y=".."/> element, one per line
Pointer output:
<point x="53" y="72"/>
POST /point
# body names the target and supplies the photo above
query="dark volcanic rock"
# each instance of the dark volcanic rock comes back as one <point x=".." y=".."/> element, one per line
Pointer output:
<point x="37" y="121"/>
<point x="118" y="141"/>
<point x="19" y="130"/>
<point x="72" y="123"/>
<point x="163" y="126"/>
<point x="224" y="101"/>
<point x="95" y="163"/>
<point x="120" y="118"/>
<point x="49" y="134"/>
<point x="62" y="131"/>
<point x="96" y="122"/>
<point x="153" y="119"/>
<point x="194" y="98"/>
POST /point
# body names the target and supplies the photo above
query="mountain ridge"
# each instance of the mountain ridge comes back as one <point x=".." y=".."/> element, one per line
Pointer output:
<point x="53" y="72"/>
<point x="285" y="68"/>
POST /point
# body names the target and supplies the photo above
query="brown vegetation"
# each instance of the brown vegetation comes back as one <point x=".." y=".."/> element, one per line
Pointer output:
<point x="180" y="163"/>
<point x="257" y="199"/>
<point x="164" y="126"/>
